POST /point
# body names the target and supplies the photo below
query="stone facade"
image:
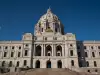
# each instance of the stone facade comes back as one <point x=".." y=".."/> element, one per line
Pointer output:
<point x="49" y="47"/>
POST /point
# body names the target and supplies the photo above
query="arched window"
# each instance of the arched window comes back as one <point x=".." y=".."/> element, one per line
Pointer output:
<point x="59" y="64"/>
<point x="72" y="62"/>
<point x="38" y="50"/>
<point x="37" y="64"/>
<point x="48" y="51"/>
<point x="48" y="64"/>
<point x="59" y="51"/>
<point x="17" y="65"/>
<point x="10" y="64"/>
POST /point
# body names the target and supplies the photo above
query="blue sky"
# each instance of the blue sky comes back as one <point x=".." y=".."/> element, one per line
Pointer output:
<point x="81" y="17"/>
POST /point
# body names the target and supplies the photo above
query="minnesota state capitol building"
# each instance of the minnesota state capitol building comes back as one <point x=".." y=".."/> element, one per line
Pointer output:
<point x="50" y="47"/>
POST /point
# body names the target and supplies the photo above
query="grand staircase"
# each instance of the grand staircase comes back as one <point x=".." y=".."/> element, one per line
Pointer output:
<point x="47" y="72"/>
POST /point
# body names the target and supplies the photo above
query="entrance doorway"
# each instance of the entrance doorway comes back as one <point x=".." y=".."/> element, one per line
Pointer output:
<point x="59" y="64"/>
<point x="37" y="64"/>
<point x="48" y="65"/>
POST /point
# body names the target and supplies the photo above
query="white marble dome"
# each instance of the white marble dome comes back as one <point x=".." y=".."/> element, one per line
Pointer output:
<point x="49" y="22"/>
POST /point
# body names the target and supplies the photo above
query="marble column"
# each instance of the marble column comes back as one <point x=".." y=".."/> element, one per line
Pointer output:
<point x="62" y="50"/>
<point x="52" y="49"/>
<point x="34" y="50"/>
<point x="42" y="50"/>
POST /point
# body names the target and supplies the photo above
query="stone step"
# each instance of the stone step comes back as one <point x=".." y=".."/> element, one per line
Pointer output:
<point x="47" y="72"/>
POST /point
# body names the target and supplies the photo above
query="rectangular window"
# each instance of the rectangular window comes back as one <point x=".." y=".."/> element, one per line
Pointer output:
<point x="91" y="47"/>
<point x="12" y="54"/>
<point x="98" y="47"/>
<point x="6" y="47"/>
<point x="12" y="47"/>
<point x="78" y="47"/>
<point x="26" y="52"/>
<point x="71" y="52"/>
<point x="5" y="54"/>
<point x="71" y="45"/>
<point x="19" y="54"/>
<point x="99" y="53"/>
<point x="0" y="47"/>
<point x="86" y="54"/>
<point x="93" y="55"/>
<point x="19" y="47"/>
<point x="42" y="29"/>
<point x="87" y="63"/>
<point x="26" y="45"/>
<point x="72" y="62"/>
<point x="95" y="64"/>
<point x="84" y="47"/>
<point x="79" y="54"/>
<point x="25" y="62"/>
<point x="17" y="65"/>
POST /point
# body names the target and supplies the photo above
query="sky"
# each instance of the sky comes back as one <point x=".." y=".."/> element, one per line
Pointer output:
<point x="81" y="17"/>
